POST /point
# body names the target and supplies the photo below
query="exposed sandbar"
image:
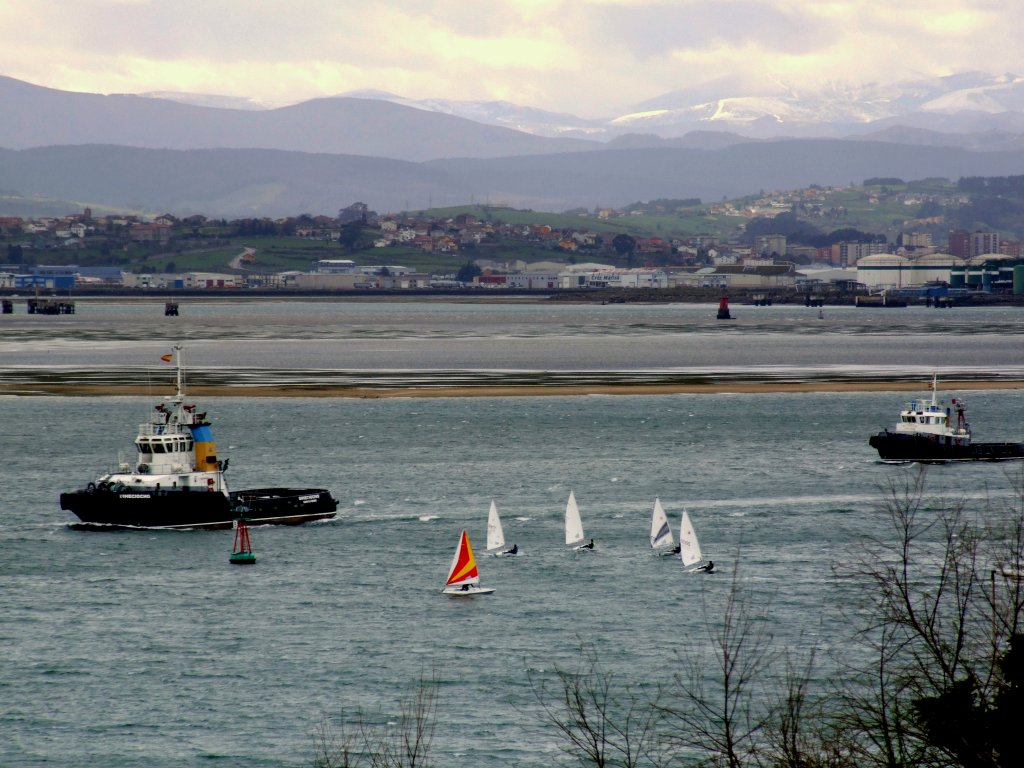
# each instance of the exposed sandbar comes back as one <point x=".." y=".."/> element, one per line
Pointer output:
<point x="520" y="390"/>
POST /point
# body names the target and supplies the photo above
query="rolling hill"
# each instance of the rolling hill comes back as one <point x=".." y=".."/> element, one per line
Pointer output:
<point x="37" y="117"/>
<point x="64" y="151"/>
<point x="259" y="182"/>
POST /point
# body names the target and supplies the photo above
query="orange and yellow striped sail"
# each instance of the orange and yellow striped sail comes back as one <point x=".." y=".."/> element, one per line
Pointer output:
<point x="463" y="570"/>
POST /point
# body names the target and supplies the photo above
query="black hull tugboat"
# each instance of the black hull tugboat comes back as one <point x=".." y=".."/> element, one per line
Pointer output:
<point x="927" y="433"/>
<point x="177" y="481"/>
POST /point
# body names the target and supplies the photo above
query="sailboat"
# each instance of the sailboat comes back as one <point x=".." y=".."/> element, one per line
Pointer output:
<point x="496" y="536"/>
<point x="574" y="526"/>
<point x="463" y="577"/>
<point x="661" y="532"/>
<point x="689" y="547"/>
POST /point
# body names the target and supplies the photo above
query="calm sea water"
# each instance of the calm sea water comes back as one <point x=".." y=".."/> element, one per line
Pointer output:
<point x="149" y="649"/>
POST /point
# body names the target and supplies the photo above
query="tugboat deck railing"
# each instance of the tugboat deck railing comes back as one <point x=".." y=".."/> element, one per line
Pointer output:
<point x="149" y="429"/>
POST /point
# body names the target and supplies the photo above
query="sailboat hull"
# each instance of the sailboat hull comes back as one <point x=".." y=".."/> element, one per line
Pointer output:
<point x="460" y="592"/>
<point x="701" y="569"/>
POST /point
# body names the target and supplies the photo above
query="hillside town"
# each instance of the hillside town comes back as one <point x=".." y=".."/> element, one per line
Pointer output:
<point x="588" y="256"/>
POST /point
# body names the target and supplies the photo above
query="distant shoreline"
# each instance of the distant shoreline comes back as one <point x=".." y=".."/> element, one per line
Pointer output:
<point x="521" y="390"/>
<point x="676" y="295"/>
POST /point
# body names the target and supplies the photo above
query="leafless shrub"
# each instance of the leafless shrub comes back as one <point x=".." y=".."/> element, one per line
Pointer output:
<point x="404" y="743"/>
<point x="721" y="721"/>
<point x="603" y="724"/>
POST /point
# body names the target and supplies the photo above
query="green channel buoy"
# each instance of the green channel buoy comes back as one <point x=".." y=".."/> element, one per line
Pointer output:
<point x="241" y="553"/>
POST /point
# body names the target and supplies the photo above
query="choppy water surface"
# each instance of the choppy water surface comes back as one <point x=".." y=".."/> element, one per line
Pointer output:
<point x="149" y="649"/>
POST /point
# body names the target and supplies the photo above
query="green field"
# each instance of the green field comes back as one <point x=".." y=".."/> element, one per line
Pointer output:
<point x="888" y="207"/>
<point x="694" y="222"/>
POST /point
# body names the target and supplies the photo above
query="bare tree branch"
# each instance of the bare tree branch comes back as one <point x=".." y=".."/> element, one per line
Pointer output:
<point x="603" y="724"/>
<point x="404" y="744"/>
<point x="723" y="722"/>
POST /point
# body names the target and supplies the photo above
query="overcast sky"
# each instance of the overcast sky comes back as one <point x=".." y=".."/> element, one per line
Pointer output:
<point x="592" y="58"/>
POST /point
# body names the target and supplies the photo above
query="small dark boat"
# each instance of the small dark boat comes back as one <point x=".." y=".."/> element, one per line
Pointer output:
<point x="927" y="433"/>
<point x="177" y="481"/>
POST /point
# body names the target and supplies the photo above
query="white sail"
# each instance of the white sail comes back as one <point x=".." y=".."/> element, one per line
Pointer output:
<point x="495" y="535"/>
<point x="661" y="532"/>
<point x="689" y="547"/>
<point x="573" y="523"/>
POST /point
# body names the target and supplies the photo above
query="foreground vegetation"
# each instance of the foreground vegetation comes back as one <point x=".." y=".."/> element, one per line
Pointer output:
<point x="940" y="682"/>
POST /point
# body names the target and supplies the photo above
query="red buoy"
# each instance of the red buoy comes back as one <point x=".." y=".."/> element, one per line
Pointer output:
<point x="723" y="308"/>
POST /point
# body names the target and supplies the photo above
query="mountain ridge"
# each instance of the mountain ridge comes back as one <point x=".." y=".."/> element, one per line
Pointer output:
<point x="243" y="183"/>
<point x="378" y="123"/>
<point x="159" y="155"/>
<point x="34" y="116"/>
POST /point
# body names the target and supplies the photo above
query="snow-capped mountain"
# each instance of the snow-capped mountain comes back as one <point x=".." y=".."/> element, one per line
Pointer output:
<point x="395" y="154"/>
<point x="208" y="100"/>
<point x="836" y="109"/>
<point x="769" y="110"/>
<point x="974" y="111"/>
<point x="501" y="113"/>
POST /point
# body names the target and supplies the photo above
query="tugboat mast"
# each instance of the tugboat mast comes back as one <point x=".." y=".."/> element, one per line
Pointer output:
<point x="179" y="395"/>
<point x="180" y="377"/>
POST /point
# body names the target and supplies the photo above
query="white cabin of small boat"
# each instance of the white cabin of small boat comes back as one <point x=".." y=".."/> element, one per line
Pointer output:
<point x="929" y="417"/>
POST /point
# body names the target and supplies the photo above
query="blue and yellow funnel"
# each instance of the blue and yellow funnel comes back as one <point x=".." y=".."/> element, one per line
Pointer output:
<point x="206" y="449"/>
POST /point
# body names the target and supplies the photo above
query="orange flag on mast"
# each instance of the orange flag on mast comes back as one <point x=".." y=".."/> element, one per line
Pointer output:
<point x="168" y="357"/>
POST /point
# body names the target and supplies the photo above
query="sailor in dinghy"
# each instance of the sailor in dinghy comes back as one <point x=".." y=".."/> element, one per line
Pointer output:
<point x="463" y="576"/>
<point x="689" y="548"/>
<point x="574" y="527"/>
<point x="661" y="533"/>
<point x="496" y="536"/>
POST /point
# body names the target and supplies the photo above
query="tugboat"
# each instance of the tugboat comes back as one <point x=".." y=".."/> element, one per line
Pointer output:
<point x="926" y="433"/>
<point x="177" y="481"/>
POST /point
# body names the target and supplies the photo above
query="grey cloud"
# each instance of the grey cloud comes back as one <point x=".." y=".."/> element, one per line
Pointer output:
<point x="657" y="30"/>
